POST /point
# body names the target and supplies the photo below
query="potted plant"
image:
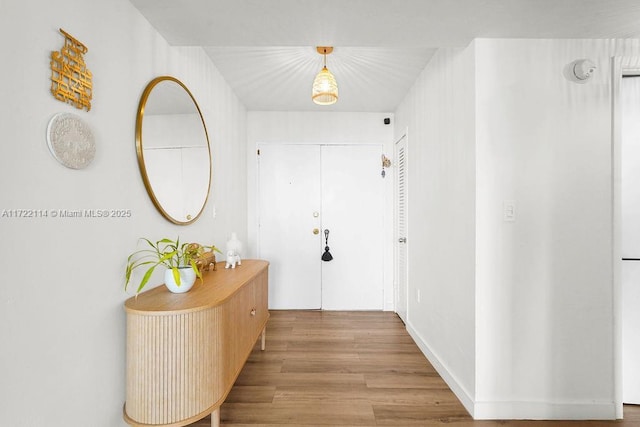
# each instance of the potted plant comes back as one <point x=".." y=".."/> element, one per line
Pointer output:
<point x="180" y="260"/>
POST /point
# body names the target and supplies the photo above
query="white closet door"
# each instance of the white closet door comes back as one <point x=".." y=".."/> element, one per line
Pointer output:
<point x="289" y="211"/>
<point x="352" y="211"/>
<point x="401" y="230"/>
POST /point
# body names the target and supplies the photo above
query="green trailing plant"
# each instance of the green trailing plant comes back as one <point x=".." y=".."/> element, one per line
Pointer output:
<point x="166" y="252"/>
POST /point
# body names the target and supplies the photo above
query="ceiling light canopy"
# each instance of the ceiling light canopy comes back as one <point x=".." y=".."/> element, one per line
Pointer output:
<point x="325" y="88"/>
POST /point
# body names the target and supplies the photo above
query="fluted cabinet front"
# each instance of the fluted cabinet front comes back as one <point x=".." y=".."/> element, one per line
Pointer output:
<point x="184" y="351"/>
<point x="172" y="363"/>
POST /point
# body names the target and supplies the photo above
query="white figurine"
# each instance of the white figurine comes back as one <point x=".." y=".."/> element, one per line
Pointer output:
<point x="234" y="250"/>
<point x="235" y="245"/>
<point x="232" y="259"/>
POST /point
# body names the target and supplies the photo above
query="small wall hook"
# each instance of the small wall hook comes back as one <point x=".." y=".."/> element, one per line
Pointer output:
<point x="386" y="162"/>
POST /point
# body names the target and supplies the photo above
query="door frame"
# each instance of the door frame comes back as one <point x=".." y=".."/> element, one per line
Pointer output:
<point x="620" y="66"/>
<point x="387" y="232"/>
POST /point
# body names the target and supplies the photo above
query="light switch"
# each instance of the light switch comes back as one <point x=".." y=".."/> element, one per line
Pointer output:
<point x="509" y="210"/>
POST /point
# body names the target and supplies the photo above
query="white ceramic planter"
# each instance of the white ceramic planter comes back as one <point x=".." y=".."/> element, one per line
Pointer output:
<point x="187" y="279"/>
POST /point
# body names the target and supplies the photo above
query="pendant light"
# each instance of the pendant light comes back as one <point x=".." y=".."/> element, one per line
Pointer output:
<point x="325" y="88"/>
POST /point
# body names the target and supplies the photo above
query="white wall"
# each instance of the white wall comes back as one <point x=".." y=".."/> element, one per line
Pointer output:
<point x="61" y="316"/>
<point x="545" y="292"/>
<point x="439" y="115"/>
<point x="321" y="128"/>
<point x="524" y="325"/>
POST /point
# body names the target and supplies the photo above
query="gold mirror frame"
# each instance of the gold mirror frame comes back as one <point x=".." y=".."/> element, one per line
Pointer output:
<point x="140" y="152"/>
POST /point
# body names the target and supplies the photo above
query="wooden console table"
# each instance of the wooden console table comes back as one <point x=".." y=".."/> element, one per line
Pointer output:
<point x="185" y="351"/>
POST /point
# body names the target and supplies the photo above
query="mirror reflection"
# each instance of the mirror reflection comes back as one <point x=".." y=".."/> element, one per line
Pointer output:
<point x="173" y="150"/>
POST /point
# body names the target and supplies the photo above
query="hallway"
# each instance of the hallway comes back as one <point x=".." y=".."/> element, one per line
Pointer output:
<point x="350" y="369"/>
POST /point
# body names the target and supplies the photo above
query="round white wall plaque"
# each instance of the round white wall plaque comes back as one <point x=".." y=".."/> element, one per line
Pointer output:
<point x="70" y="140"/>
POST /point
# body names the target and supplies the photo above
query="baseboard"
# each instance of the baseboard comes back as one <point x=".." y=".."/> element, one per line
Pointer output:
<point x="455" y="386"/>
<point x="514" y="410"/>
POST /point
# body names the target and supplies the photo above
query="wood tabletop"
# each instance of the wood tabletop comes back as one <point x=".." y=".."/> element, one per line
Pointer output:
<point x="215" y="288"/>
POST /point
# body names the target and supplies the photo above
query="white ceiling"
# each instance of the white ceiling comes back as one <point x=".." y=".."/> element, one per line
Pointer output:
<point x="265" y="49"/>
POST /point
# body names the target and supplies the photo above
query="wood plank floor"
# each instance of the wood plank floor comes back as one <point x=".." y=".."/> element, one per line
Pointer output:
<point x="351" y="369"/>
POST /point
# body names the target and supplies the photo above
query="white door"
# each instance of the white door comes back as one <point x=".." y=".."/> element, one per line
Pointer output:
<point x="303" y="188"/>
<point x="352" y="211"/>
<point x="630" y="177"/>
<point x="289" y="211"/>
<point x="400" y="230"/>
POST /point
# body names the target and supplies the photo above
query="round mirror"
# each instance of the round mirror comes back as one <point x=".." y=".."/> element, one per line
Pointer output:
<point x="173" y="150"/>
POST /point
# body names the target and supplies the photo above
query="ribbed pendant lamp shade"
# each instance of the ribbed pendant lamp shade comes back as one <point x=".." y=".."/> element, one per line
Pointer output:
<point x="325" y="88"/>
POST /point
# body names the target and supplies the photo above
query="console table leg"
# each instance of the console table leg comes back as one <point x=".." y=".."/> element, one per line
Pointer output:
<point x="263" y="343"/>
<point x="215" y="418"/>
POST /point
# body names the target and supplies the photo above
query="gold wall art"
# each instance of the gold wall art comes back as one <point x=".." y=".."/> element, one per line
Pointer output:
<point x="70" y="78"/>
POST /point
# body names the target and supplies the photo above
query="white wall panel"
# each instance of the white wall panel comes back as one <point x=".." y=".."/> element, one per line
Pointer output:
<point x="544" y="145"/>
<point x="540" y="339"/>
<point x="62" y="325"/>
<point x="544" y="285"/>
<point x="439" y="113"/>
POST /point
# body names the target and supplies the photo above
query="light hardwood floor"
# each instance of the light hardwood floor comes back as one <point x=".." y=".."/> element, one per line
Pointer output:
<point x="351" y="369"/>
